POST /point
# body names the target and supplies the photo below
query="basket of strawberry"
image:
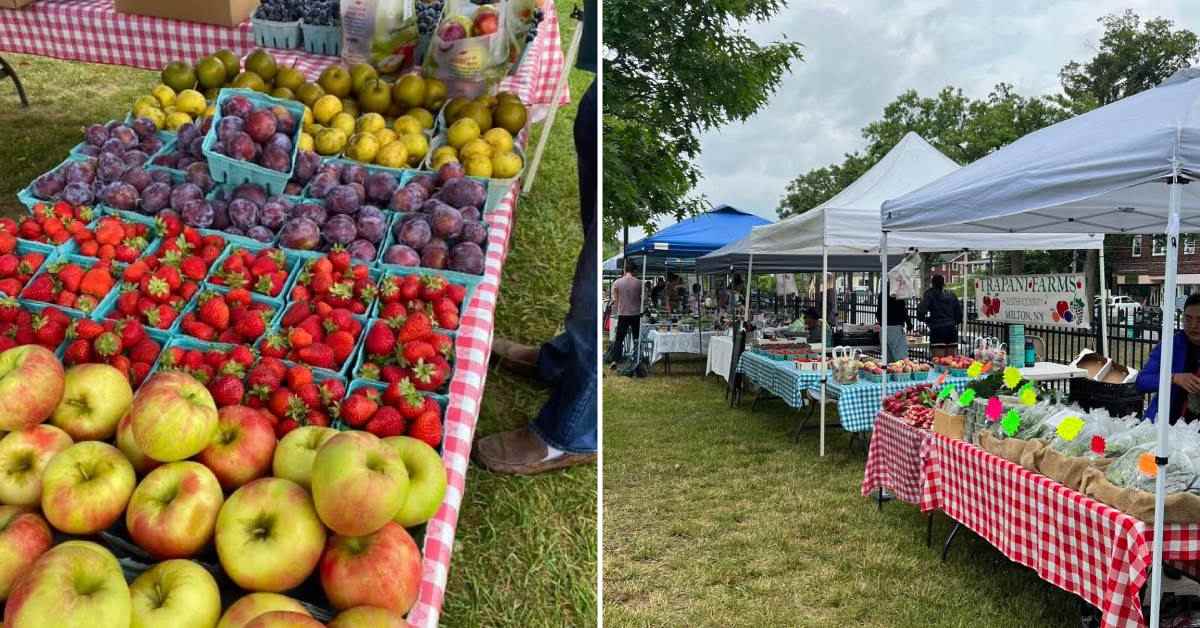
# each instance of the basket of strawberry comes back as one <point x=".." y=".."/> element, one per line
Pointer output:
<point x="72" y="282"/>
<point x="190" y="251"/>
<point x="333" y="280"/>
<point x="293" y="395"/>
<point x="235" y="317"/>
<point x="154" y="296"/>
<point x="439" y="297"/>
<point x="214" y="365"/>
<point x="29" y="324"/>
<point x="407" y="347"/>
<point x="53" y="224"/>
<point x="264" y="271"/>
<point x="17" y="266"/>
<point x="398" y="409"/>
<point x="316" y="334"/>
<point x="123" y="344"/>
<point x="112" y="238"/>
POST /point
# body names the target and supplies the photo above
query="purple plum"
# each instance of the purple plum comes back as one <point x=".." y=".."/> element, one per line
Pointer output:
<point x="122" y="196"/>
<point x="160" y="176"/>
<point x="466" y="257"/>
<point x="307" y="163"/>
<point x="293" y="188"/>
<point x="78" y="193"/>
<point x="220" y="214"/>
<point x="311" y="211"/>
<point x="261" y="125"/>
<point x="362" y="250"/>
<point x="150" y="145"/>
<point x="185" y="192"/>
<point x="428" y="182"/>
<point x="112" y="145"/>
<point x="322" y="185"/>
<point x="156" y="196"/>
<point x="195" y="148"/>
<point x="414" y="233"/>
<point x="184" y="161"/>
<point x="276" y="158"/>
<point x="230" y="126"/>
<point x="405" y="200"/>
<point x="82" y="171"/>
<point x="343" y="199"/>
<point x="243" y="213"/>
<point x="273" y="214"/>
<point x="435" y="254"/>
<point x="89" y="150"/>
<point x="134" y="158"/>
<point x="379" y="187"/>
<point x="96" y="135"/>
<point x="234" y="231"/>
<point x="125" y="135"/>
<point x="282" y="141"/>
<point x="474" y="231"/>
<point x="449" y="171"/>
<point x="469" y="213"/>
<point x="447" y="222"/>
<point x="138" y="178"/>
<point x="49" y="185"/>
<point x="110" y="167"/>
<point x="197" y="212"/>
<point x="340" y="229"/>
<point x="371" y="223"/>
<point x="240" y="146"/>
<point x="402" y="255"/>
<point x="252" y="193"/>
<point x="144" y="127"/>
<point x="462" y="192"/>
<point x="239" y="106"/>
<point x="285" y="122"/>
<point x="261" y="233"/>
<point x="354" y="173"/>
<point x="300" y="233"/>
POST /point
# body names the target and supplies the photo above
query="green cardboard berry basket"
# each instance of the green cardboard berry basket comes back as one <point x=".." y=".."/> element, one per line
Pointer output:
<point x="85" y="262"/>
<point x="471" y="282"/>
<point x="272" y="34"/>
<point x="291" y="261"/>
<point x="321" y="39"/>
<point x="228" y="170"/>
<point x="357" y="384"/>
<point x="194" y="304"/>
<point x="360" y="358"/>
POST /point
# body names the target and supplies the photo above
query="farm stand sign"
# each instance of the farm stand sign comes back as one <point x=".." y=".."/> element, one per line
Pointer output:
<point x="1056" y="300"/>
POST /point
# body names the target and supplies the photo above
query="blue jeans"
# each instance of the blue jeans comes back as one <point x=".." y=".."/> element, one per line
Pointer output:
<point x="568" y="420"/>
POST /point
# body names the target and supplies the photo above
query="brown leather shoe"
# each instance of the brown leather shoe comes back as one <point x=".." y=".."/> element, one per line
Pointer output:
<point x="518" y="358"/>
<point x="521" y="452"/>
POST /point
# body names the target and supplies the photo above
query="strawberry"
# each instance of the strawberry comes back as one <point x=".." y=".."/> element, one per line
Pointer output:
<point x="416" y="327"/>
<point x="242" y="355"/>
<point x="138" y="372"/>
<point x="447" y="319"/>
<point x="456" y="293"/>
<point x="97" y="281"/>
<point x="428" y="376"/>
<point x="87" y="329"/>
<point x="342" y="345"/>
<point x="78" y="352"/>
<point x="107" y="345"/>
<point x="443" y="344"/>
<point x="428" y="428"/>
<point x="280" y="400"/>
<point x="284" y="426"/>
<point x="144" y="351"/>
<point x="310" y="394"/>
<point x="251" y="327"/>
<point x="194" y="268"/>
<point x="238" y="297"/>
<point x="405" y="398"/>
<point x="380" y="339"/>
<point x="356" y="410"/>
<point x="132" y="332"/>
<point x="319" y="355"/>
<point x="213" y="310"/>
<point x="391" y="373"/>
<point x="387" y="421"/>
<point x="299" y="376"/>
<point x="432" y="287"/>
<point x="9" y="307"/>
<point x="332" y="391"/>
<point x="418" y="350"/>
<point x="299" y="338"/>
<point x="134" y="272"/>
<point x="226" y="390"/>
<point x="40" y="289"/>
<point x="275" y="346"/>
<point x="296" y="313"/>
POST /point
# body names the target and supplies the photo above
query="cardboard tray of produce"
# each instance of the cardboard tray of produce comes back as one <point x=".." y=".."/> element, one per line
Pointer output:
<point x="220" y="12"/>
<point x="1091" y="362"/>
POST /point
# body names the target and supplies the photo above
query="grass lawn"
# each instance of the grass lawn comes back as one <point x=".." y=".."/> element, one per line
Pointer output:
<point x="714" y="517"/>
<point x="526" y="547"/>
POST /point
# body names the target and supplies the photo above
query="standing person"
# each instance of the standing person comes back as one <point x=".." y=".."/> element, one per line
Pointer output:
<point x="564" y="432"/>
<point x="627" y="303"/>
<point x="898" y="325"/>
<point x="1185" y="369"/>
<point x="942" y="311"/>
<point x="656" y="293"/>
<point x="697" y="299"/>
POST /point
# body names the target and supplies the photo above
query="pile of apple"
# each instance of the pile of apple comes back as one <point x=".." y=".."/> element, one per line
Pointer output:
<point x="953" y="361"/>
<point x="82" y="451"/>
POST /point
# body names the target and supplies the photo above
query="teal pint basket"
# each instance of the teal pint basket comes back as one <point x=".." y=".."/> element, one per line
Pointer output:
<point x="357" y="384"/>
<point x="322" y="40"/>
<point x="230" y="171"/>
<point x="270" y="34"/>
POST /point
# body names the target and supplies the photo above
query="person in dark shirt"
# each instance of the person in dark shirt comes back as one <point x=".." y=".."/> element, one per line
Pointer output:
<point x="942" y="311"/>
<point x="1185" y="370"/>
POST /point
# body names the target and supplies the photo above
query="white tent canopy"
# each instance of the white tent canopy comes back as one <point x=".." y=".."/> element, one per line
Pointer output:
<point x="848" y="224"/>
<point x="1122" y="168"/>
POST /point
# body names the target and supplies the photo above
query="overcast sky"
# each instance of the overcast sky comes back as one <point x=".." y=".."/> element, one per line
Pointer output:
<point x="860" y="55"/>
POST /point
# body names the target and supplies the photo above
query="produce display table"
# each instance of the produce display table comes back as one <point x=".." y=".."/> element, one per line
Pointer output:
<point x="667" y="342"/>
<point x="859" y="403"/>
<point x="1051" y="371"/>
<point x="781" y="378"/>
<point x="92" y="31"/>
<point x="894" y="459"/>
<point x="720" y="353"/>
<point x="1068" y="539"/>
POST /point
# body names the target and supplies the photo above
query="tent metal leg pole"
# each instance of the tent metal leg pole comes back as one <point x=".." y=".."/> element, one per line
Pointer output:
<point x="1103" y="306"/>
<point x="883" y="325"/>
<point x="1164" y="399"/>
<point x="824" y="338"/>
<point x="749" y="275"/>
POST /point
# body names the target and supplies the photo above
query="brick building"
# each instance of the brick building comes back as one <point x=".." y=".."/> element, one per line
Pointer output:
<point x="978" y="262"/>
<point x="1136" y="265"/>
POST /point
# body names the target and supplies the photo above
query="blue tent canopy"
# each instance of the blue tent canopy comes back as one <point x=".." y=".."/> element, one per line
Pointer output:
<point x="698" y="235"/>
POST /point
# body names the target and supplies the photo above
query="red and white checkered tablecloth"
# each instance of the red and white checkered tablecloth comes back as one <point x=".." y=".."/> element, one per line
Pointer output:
<point x="91" y="31"/>
<point x="894" y="459"/>
<point x="1070" y="540"/>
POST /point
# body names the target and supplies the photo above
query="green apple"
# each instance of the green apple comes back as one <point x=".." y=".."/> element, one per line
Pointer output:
<point x="368" y="617"/>
<point x="243" y="447"/>
<point x="77" y="583"/>
<point x="176" y="593"/>
<point x="268" y="535"/>
<point x="358" y="483"/>
<point x="360" y="73"/>
<point x="31" y="384"/>
<point x="85" y="487"/>
<point x="23" y="458"/>
<point x="250" y="606"/>
<point x="173" y="511"/>
<point x="284" y="619"/>
<point x="174" y="416"/>
<point x="336" y="80"/>
<point x="381" y="569"/>
<point x="95" y="397"/>
<point x="426" y="480"/>
<point x="295" y="453"/>
<point x="24" y="537"/>
<point x="376" y="96"/>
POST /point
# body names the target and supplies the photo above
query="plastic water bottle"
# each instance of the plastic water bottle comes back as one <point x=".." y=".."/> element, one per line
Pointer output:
<point x="1030" y="353"/>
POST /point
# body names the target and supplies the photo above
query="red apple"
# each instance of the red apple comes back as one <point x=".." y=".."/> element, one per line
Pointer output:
<point x="381" y="569"/>
<point x="359" y="483"/>
<point x="486" y="23"/>
<point x="268" y="535"/>
<point x="31" y="385"/>
<point x="250" y="606"/>
<point x="243" y="448"/>
<point x="174" y="510"/>
<point x="284" y="619"/>
<point x="24" y="536"/>
<point x="85" y="487"/>
<point x="142" y="463"/>
<point x="174" y="417"/>
<point x="368" y="617"/>
<point x="23" y="457"/>
<point x="77" y="583"/>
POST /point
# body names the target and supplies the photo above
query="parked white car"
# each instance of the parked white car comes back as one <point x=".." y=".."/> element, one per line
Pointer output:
<point x="1121" y="308"/>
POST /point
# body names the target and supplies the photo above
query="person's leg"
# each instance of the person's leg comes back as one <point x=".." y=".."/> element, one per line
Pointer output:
<point x="617" y="350"/>
<point x="564" y="432"/>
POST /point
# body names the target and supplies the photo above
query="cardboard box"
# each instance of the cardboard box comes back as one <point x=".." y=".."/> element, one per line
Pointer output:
<point x="14" y="4"/>
<point x="949" y="425"/>
<point x="220" y="12"/>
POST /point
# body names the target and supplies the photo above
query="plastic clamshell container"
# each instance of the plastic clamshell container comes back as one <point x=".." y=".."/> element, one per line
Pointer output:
<point x="230" y="171"/>
<point x="271" y="34"/>
<point x="322" y="40"/>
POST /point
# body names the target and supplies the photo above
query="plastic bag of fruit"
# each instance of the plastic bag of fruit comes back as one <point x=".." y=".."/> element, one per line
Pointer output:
<point x="1128" y="471"/>
<point x="380" y="32"/>
<point x="470" y="43"/>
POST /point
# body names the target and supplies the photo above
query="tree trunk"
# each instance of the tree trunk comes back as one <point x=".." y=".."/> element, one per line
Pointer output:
<point x="1016" y="262"/>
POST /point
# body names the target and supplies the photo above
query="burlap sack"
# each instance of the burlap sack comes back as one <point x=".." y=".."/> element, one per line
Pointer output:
<point x="1068" y="470"/>
<point x="1180" y="507"/>
<point x="1027" y="453"/>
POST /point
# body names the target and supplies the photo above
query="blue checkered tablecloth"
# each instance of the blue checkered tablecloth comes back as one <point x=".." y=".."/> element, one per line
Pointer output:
<point x="858" y="403"/>
<point x="781" y="378"/>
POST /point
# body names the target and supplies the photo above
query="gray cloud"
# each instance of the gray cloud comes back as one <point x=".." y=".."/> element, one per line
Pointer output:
<point x="861" y="54"/>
